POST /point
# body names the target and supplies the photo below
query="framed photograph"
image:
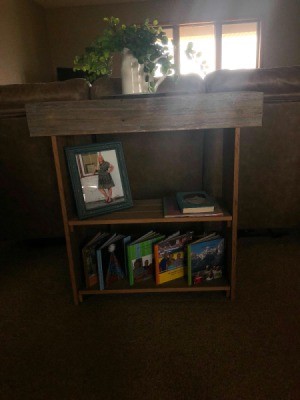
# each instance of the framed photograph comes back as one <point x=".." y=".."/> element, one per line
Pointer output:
<point x="99" y="178"/>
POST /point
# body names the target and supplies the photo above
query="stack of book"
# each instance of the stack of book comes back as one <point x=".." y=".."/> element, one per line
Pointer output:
<point x="190" y="204"/>
<point x="111" y="258"/>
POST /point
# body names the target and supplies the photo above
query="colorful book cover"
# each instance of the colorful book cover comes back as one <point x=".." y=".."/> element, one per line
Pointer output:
<point x="99" y="248"/>
<point x="141" y="259"/>
<point x="172" y="210"/>
<point x="195" y="202"/>
<point x="111" y="259"/>
<point x="170" y="258"/>
<point x="90" y="260"/>
<point x="205" y="259"/>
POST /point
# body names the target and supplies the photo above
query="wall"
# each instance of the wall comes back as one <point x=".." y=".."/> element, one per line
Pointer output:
<point x="24" y="46"/>
<point x="26" y="54"/>
<point x="72" y="29"/>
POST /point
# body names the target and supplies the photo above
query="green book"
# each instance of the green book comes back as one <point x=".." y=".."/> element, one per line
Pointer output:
<point x="141" y="258"/>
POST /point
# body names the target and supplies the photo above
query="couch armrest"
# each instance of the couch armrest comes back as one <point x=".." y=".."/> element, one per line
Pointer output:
<point x="14" y="97"/>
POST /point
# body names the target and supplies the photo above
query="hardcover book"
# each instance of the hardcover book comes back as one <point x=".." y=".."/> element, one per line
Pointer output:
<point x="195" y="202"/>
<point x="205" y="259"/>
<point x="141" y="258"/>
<point x="90" y="259"/>
<point x="170" y="257"/>
<point x="172" y="210"/>
<point x="111" y="260"/>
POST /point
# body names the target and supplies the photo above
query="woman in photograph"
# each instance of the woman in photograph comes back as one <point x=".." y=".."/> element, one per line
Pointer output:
<point x="105" y="181"/>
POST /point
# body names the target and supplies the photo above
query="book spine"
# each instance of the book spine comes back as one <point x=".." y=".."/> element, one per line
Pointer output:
<point x="100" y="270"/>
<point x="129" y="264"/>
<point x="85" y="266"/>
<point x="126" y="241"/>
<point x="156" y="261"/>
<point x="189" y="264"/>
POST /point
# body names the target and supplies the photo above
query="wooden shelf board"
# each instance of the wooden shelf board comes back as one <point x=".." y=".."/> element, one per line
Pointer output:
<point x="143" y="211"/>
<point x="127" y="114"/>
<point x="178" y="285"/>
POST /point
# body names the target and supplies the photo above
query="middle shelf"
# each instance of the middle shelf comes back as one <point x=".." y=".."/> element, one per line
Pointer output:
<point x="145" y="211"/>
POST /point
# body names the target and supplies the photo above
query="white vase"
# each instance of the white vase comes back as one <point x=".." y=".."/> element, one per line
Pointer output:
<point x="133" y="75"/>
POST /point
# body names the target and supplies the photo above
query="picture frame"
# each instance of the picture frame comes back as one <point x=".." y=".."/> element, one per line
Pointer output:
<point x="99" y="178"/>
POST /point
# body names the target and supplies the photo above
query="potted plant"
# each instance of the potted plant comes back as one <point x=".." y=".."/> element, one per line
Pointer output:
<point x="144" y="48"/>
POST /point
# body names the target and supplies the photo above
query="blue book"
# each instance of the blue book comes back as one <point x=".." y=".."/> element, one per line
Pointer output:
<point x="111" y="260"/>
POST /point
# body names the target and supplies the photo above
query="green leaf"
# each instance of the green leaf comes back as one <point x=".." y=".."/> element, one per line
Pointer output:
<point x="141" y="39"/>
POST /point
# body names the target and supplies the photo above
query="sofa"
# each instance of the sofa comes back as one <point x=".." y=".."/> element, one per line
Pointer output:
<point x="269" y="190"/>
<point x="269" y="155"/>
<point x="29" y="204"/>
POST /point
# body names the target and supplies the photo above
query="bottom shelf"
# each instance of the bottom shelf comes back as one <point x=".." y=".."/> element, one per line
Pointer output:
<point x="179" y="285"/>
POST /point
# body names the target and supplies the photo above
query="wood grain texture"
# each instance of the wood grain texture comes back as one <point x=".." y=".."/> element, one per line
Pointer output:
<point x="231" y="155"/>
<point x="144" y="211"/>
<point x="146" y="113"/>
<point x="217" y="288"/>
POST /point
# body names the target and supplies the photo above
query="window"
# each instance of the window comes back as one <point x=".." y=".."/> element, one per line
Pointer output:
<point x="239" y="45"/>
<point x="226" y="45"/>
<point x="203" y="39"/>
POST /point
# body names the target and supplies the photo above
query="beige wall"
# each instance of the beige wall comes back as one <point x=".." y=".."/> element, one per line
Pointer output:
<point x="72" y="29"/>
<point x="24" y="46"/>
<point x="26" y="55"/>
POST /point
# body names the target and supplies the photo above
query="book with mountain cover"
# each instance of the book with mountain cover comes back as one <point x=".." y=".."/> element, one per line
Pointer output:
<point x="195" y="202"/>
<point x="141" y="257"/>
<point x="205" y="259"/>
<point x="170" y="257"/>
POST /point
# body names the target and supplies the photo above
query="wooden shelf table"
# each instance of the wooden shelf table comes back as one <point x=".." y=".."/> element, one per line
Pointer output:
<point x="71" y="123"/>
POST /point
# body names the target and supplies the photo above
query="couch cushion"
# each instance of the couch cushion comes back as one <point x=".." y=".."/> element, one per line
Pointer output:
<point x="17" y="95"/>
<point x="184" y="83"/>
<point x="281" y="80"/>
<point x="106" y="87"/>
<point x="192" y="83"/>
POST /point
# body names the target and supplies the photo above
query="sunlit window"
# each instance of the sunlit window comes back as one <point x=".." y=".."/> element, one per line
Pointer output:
<point x="239" y="45"/>
<point x="203" y="39"/>
<point x="215" y="45"/>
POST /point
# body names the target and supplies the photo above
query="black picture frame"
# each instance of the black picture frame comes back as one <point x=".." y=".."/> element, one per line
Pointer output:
<point x="91" y="182"/>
